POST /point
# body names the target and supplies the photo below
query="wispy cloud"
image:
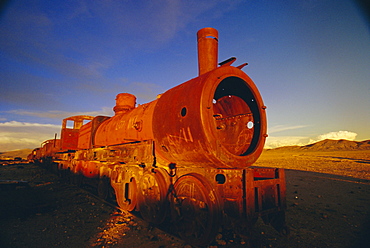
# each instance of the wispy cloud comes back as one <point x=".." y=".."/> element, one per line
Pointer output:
<point x="128" y="23"/>
<point x="152" y="23"/>
<point x="280" y="128"/>
<point x="146" y="91"/>
<point x="75" y="46"/>
<point x="25" y="124"/>
<point x="55" y="114"/>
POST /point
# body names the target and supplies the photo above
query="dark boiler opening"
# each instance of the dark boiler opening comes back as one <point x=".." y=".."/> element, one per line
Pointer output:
<point x="237" y="116"/>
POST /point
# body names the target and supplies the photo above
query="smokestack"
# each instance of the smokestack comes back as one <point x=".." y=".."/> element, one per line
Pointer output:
<point x="207" y="50"/>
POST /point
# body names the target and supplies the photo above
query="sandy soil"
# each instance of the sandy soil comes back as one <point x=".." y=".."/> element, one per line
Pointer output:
<point x="328" y="198"/>
<point x="354" y="164"/>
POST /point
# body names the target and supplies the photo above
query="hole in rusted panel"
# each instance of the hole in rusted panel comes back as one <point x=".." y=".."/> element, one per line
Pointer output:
<point x="211" y="37"/>
<point x="220" y="178"/>
<point x="184" y="111"/>
<point x="127" y="190"/>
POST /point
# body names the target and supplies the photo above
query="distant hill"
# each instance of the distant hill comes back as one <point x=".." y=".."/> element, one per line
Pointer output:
<point x="330" y="145"/>
<point x="324" y="145"/>
<point x="23" y="153"/>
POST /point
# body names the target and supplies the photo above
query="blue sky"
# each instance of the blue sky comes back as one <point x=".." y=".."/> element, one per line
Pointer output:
<point x="310" y="60"/>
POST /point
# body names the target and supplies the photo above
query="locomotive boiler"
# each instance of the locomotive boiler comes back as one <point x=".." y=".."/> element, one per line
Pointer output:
<point x="184" y="159"/>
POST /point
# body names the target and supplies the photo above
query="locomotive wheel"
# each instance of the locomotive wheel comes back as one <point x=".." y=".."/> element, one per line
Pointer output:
<point x="197" y="210"/>
<point x="130" y="195"/>
<point x="103" y="188"/>
<point x="128" y="198"/>
<point x="152" y="200"/>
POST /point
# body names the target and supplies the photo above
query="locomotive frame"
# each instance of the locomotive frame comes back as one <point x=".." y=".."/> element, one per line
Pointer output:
<point x="186" y="158"/>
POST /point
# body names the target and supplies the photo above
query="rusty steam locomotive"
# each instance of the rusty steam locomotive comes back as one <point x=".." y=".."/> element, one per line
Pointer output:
<point x="185" y="158"/>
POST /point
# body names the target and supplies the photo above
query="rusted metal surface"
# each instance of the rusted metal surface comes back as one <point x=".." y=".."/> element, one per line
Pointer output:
<point x="133" y="126"/>
<point x="87" y="133"/>
<point x="185" y="157"/>
<point x="224" y="124"/>
<point x="124" y="103"/>
<point x="49" y="147"/>
<point x="152" y="195"/>
<point x="69" y="134"/>
<point x="265" y="190"/>
<point x="200" y="225"/>
<point x="207" y="50"/>
<point x="34" y="155"/>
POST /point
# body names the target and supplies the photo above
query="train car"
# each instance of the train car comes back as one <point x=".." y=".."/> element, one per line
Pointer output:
<point x="32" y="157"/>
<point x="47" y="151"/>
<point x="187" y="157"/>
<point x="63" y="158"/>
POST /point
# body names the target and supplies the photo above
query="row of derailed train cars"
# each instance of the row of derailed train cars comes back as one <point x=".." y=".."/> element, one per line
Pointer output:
<point x="184" y="159"/>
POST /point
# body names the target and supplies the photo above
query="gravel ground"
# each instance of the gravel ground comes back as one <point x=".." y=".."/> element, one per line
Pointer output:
<point x="324" y="210"/>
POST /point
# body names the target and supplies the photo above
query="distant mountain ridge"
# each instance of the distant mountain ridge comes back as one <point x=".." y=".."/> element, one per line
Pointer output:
<point x="23" y="153"/>
<point x="323" y="145"/>
<point x="330" y="145"/>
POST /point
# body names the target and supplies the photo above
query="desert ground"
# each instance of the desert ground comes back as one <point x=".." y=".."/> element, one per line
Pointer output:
<point x="328" y="205"/>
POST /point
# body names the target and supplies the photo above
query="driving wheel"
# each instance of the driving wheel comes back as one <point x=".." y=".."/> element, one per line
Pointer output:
<point x="197" y="210"/>
<point x="152" y="201"/>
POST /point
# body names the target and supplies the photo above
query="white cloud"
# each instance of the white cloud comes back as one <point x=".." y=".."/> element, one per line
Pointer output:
<point x="347" y="135"/>
<point x="11" y="142"/>
<point x="19" y="135"/>
<point x="278" y="141"/>
<point x="273" y="141"/>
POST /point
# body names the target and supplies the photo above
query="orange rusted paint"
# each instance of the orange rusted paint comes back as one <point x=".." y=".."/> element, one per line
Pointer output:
<point x="69" y="135"/>
<point x="223" y="125"/>
<point x="124" y="103"/>
<point x="132" y="126"/>
<point x="207" y="50"/>
<point x="49" y="147"/>
<point x="90" y="169"/>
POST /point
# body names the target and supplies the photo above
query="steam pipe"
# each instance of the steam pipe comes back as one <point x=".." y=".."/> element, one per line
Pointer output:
<point x="207" y="49"/>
